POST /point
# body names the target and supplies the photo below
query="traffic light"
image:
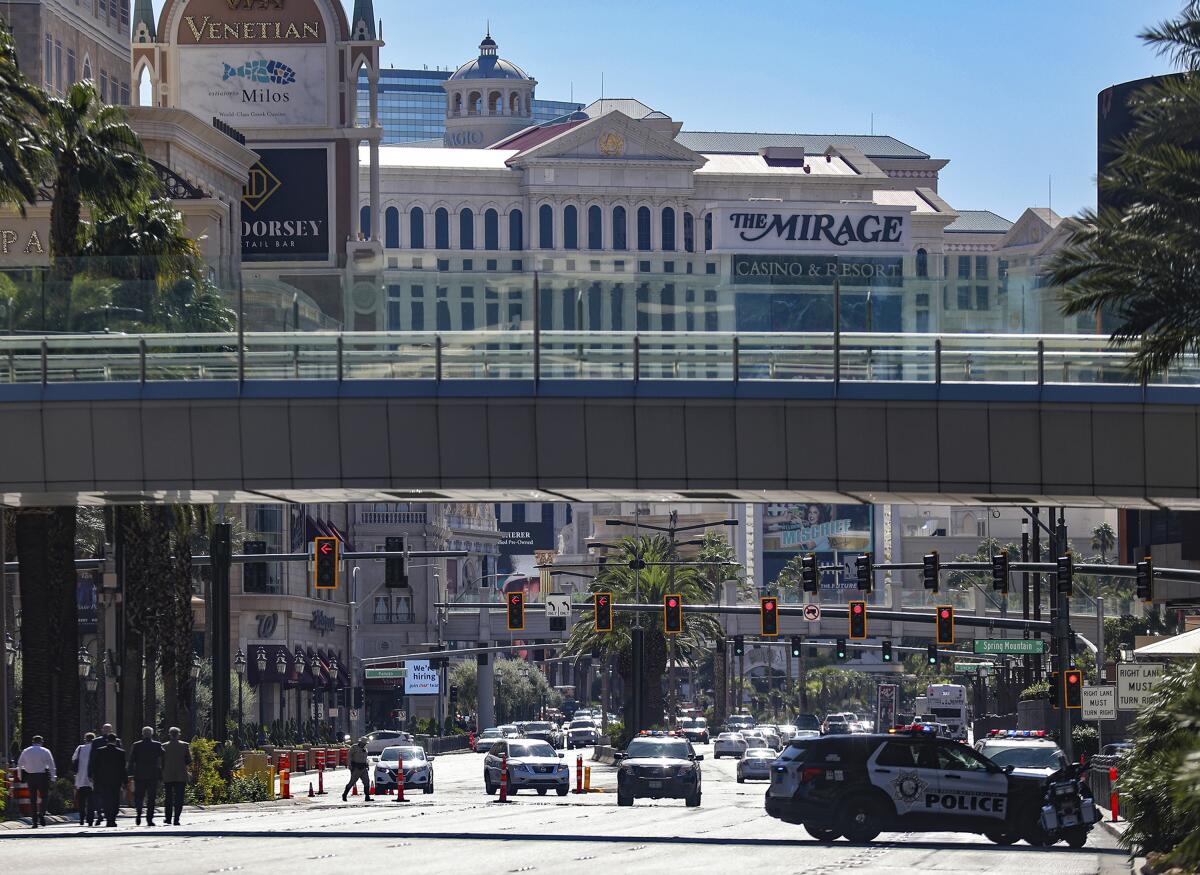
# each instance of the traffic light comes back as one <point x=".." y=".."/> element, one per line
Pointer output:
<point x="672" y="613"/>
<point x="886" y="653"/>
<point x="1145" y="579"/>
<point x="395" y="569"/>
<point x="841" y="648"/>
<point x="1073" y="688"/>
<point x="602" y="602"/>
<point x="929" y="570"/>
<point x="254" y="574"/>
<point x="453" y="699"/>
<point x="945" y="624"/>
<point x="739" y="645"/>
<point x="1000" y="573"/>
<point x="864" y="572"/>
<point x="809" y="571"/>
<point x="516" y="611"/>
<point x="325" y="566"/>
<point x="931" y="654"/>
<point x="858" y="621"/>
<point x="1066" y="570"/>
<point x="768" y="616"/>
<point x="796" y="646"/>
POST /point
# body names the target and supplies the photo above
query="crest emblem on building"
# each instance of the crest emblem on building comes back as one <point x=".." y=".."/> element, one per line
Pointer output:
<point x="612" y="145"/>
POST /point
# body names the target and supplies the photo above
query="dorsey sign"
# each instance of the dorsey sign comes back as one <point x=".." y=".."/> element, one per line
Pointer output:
<point x="815" y="228"/>
<point x="285" y="206"/>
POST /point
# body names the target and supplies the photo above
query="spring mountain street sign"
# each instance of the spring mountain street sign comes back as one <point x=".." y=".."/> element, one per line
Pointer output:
<point x="1010" y="645"/>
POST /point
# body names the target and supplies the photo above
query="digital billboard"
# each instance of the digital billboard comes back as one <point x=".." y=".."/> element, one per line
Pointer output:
<point x="836" y="533"/>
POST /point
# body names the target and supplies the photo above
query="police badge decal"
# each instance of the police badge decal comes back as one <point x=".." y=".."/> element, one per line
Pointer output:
<point x="907" y="789"/>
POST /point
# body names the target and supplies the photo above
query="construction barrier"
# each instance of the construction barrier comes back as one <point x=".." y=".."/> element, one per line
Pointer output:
<point x="285" y="785"/>
<point x="503" y="780"/>
<point x="1113" y="802"/>
<point x="579" y="773"/>
<point x="587" y="779"/>
<point x="344" y="758"/>
<point x="301" y="761"/>
<point x="320" y="773"/>
<point x="19" y="791"/>
<point x="400" y="778"/>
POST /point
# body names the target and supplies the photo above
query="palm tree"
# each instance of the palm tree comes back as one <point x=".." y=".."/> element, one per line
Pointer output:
<point x="1103" y="540"/>
<point x="651" y="583"/>
<point x="22" y="105"/>
<point x="1137" y="262"/>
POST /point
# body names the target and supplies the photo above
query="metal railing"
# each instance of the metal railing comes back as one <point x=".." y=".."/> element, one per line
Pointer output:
<point x="392" y="517"/>
<point x="577" y="355"/>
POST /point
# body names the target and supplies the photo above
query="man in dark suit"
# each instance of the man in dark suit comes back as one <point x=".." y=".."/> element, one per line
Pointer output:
<point x="145" y="767"/>
<point x="107" y="768"/>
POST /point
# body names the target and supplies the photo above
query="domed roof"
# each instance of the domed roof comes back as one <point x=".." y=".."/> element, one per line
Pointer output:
<point x="489" y="65"/>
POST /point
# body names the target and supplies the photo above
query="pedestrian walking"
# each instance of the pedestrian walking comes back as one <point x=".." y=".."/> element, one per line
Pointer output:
<point x="145" y="767"/>
<point x="359" y="767"/>
<point x="177" y="758"/>
<point x="83" y="783"/>
<point x="107" y="766"/>
<point x="100" y="741"/>
<point x="36" y="766"/>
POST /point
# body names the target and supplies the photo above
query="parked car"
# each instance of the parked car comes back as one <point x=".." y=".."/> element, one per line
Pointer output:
<point x="418" y="768"/>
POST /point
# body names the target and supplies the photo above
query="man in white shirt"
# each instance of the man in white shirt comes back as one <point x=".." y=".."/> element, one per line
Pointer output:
<point x="36" y="765"/>
<point x="83" y="782"/>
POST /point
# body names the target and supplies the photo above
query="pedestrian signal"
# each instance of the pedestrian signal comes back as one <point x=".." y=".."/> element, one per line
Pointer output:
<point x="672" y="613"/>
<point x="858" y="621"/>
<point x="929" y="570"/>
<point x="945" y="624"/>
<point x="516" y="611"/>
<point x="768" y="620"/>
<point x="602" y="602"/>
<point x="864" y="572"/>
<point x="1145" y="579"/>
<point x="325" y="564"/>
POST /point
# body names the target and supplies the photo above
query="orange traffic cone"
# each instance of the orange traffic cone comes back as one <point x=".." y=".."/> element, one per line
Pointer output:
<point x="310" y="790"/>
<point x="354" y="789"/>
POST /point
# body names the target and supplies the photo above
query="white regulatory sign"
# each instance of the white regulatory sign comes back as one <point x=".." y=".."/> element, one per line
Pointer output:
<point x="558" y="605"/>
<point x="812" y="612"/>
<point x="1135" y="681"/>
<point x="1099" y="703"/>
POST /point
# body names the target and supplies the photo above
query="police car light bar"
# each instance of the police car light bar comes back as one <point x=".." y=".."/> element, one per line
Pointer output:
<point x="913" y="728"/>
<point x="1017" y="733"/>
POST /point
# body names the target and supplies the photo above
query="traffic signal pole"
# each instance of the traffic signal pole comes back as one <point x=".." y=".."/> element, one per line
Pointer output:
<point x="1062" y="640"/>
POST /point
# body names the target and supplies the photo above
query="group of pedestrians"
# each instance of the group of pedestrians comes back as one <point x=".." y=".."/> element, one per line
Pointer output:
<point x="103" y="767"/>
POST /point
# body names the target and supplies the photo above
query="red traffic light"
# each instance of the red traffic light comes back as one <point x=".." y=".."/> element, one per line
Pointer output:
<point x="945" y="614"/>
<point x="672" y="614"/>
<point x="1072" y="678"/>
<point x="516" y="611"/>
<point x="858" y="608"/>
<point x="671" y="603"/>
<point x="858" y="620"/>
<point x="945" y="624"/>
<point x="603" y="600"/>
<point x="768" y="605"/>
<point x="768" y="617"/>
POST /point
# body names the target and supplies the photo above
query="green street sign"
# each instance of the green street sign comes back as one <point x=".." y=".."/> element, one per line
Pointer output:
<point x="973" y="667"/>
<point x="1010" y="645"/>
<point x="385" y="673"/>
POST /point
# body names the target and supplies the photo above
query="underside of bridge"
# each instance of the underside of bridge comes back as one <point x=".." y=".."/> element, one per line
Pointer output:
<point x="395" y="441"/>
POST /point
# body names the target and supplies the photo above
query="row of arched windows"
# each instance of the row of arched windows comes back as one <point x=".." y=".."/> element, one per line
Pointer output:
<point x="593" y="230"/>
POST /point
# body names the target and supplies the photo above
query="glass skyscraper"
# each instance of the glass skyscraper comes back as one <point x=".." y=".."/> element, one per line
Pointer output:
<point x="412" y="104"/>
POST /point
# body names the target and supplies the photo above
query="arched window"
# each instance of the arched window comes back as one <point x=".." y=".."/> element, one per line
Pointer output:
<point x="364" y="222"/>
<point x="466" y="230"/>
<point x="514" y="104"/>
<point x="570" y="227"/>
<point x="491" y="230"/>
<point x="416" y="228"/>
<point x="643" y="228"/>
<point x="689" y="233"/>
<point x="619" y="241"/>
<point x="441" y="228"/>
<point x="516" y="231"/>
<point x="546" y="227"/>
<point x="668" y="229"/>
<point x="707" y="231"/>
<point x="496" y="103"/>
<point x="595" y="231"/>
<point x="922" y="263"/>
<point x="391" y="228"/>
<point x="458" y="103"/>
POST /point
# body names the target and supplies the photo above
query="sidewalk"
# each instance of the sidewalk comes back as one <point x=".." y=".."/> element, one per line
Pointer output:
<point x="1115" y="829"/>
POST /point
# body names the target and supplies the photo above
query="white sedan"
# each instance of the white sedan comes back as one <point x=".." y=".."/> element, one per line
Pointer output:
<point x="755" y="763"/>
<point x="730" y="744"/>
<point x="485" y="739"/>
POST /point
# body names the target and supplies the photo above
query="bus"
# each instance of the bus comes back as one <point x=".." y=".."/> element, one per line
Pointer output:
<point x="947" y="703"/>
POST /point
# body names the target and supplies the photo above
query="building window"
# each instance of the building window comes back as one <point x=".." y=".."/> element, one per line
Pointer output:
<point x="570" y="227"/>
<point x="466" y="229"/>
<point x="922" y="322"/>
<point x="595" y="231"/>
<point x="391" y="228"/>
<point x="441" y="228"/>
<point x="491" y="230"/>
<point x="58" y="65"/>
<point x="981" y="267"/>
<point x="707" y="231"/>
<point x="364" y="222"/>
<point x="125" y="14"/>
<point x="546" y="226"/>
<point x="689" y="233"/>
<point x="710" y="268"/>
<point x="619" y="230"/>
<point x="643" y="229"/>
<point x="71" y="67"/>
<point x="416" y="228"/>
<point x="48" y="61"/>
<point x="125" y="95"/>
<point x="981" y="297"/>
<point x="668" y="229"/>
<point x="964" y="297"/>
<point x="922" y="263"/>
<point x="516" y="231"/>
<point x="964" y="267"/>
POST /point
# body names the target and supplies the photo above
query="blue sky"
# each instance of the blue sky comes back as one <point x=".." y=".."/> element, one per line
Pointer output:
<point x="1005" y="90"/>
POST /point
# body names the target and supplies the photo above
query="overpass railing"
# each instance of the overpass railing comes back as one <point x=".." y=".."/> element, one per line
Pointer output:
<point x="575" y="355"/>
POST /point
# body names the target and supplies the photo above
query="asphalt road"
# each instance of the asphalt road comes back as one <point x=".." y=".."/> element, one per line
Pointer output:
<point x="460" y="830"/>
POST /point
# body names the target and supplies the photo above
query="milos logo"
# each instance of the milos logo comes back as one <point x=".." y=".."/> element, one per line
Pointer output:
<point x="267" y="72"/>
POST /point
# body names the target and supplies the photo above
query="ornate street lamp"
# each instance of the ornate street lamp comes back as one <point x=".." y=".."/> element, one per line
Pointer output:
<point x="195" y="669"/>
<point x="10" y="650"/>
<point x="239" y="665"/>
<point x="261" y="660"/>
<point x="85" y="663"/>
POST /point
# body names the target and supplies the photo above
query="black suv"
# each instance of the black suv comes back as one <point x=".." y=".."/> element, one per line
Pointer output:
<point x="858" y="786"/>
<point x="658" y="767"/>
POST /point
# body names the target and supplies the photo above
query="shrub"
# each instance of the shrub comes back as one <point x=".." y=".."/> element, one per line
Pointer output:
<point x="1036" y="691"/>
<point x="1085" y="741"/>
<point x="615" y="729"/>
<point x="248" y="788"/>
<point x="61" y="797"/>
<point x="207" y="786"/>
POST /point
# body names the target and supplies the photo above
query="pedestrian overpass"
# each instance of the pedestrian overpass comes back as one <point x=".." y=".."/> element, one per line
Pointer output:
<point x="528" y="415"/>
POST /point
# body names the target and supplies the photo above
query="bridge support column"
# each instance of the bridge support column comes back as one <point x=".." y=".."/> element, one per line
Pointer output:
<point x="485" y="690"/>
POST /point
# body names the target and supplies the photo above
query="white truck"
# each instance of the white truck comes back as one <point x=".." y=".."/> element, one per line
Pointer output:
<point x="947" y="703"/>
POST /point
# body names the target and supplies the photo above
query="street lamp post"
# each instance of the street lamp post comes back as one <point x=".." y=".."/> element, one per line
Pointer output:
<point x="85" y="666"/>
<point x="260" y="661"/>
<point x="301" y="666"/>
<point x="281" y="668"/>
<point x="334" y="670"/>
<point x="195" y="683"/>
<point x="239" y="665"/>
<point x="10" y="659"/>
<point x="314" y="666"/>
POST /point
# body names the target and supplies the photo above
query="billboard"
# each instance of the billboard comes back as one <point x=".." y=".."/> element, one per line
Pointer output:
<point x="419" y="678"/>
<point x="256" y="86"/>
<point x="285" y="206"/>
<point x="864" y="229"/>
<point x="836" y="533"/>
<point x="524" y="539"/>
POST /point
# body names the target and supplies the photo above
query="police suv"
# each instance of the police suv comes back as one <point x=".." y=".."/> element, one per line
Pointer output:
<point x="858" y="786"/>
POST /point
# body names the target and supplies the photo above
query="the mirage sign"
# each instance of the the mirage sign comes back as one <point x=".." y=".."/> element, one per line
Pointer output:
<point x="830" y="228"/>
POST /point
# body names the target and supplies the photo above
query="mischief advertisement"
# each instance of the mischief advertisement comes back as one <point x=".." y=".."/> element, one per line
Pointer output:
<point x="835" y="532"/>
